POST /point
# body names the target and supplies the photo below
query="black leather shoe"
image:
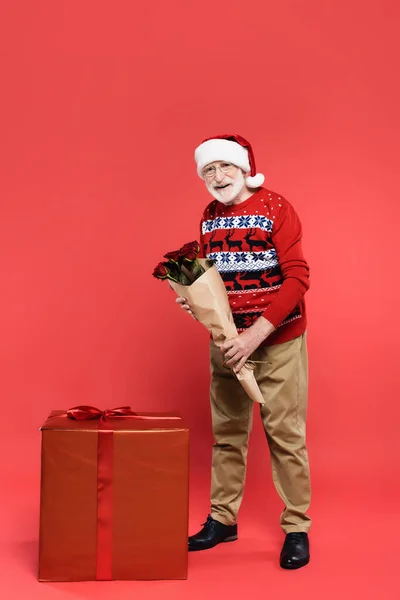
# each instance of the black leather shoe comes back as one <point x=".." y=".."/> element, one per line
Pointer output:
<point x="296" y="551"/>
<point x="213" y="533"/>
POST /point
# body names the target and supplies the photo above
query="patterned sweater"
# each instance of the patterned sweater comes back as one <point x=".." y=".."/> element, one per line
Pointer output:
<point x="256" y="246"/>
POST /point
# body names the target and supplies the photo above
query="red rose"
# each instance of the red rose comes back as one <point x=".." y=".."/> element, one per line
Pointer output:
<point x="190" y="251"/>
<point x="175" y="255"/>
<point x="161" y="271"/>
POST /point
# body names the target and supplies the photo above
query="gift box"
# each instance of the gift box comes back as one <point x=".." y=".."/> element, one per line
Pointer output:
<point x="114" y="496"/>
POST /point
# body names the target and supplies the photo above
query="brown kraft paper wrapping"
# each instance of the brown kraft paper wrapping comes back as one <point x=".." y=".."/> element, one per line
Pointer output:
<point x="209" y="303"/>
<point x="150" y="493"/>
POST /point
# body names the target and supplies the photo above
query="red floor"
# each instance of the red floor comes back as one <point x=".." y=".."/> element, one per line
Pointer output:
<point x="354" y="543"/>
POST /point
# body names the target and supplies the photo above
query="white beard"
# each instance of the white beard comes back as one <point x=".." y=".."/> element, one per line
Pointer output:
<point x="228" y="195"/>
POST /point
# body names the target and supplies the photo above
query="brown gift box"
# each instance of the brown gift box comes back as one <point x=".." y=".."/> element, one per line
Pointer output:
<point x="114" y="496"/>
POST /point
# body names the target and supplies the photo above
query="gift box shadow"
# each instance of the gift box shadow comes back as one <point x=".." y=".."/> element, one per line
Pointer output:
<point x="27" y="555"/>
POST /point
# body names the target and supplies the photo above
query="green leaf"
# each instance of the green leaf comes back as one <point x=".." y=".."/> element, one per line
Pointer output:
<point x="184" y="279"/>
<point x="197" y="270"/>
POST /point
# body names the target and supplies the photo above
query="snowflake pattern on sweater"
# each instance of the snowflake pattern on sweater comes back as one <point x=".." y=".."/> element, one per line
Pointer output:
<point x="240" y="240"/>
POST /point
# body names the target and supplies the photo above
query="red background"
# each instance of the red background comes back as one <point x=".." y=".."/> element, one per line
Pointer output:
<point x="102" y="105"/>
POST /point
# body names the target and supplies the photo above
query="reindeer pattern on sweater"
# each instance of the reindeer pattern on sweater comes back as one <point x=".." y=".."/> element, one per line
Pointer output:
<point x="240" y="240"/>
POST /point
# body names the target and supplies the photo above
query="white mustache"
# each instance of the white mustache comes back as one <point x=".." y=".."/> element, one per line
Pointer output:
<point x="222" y="183"/>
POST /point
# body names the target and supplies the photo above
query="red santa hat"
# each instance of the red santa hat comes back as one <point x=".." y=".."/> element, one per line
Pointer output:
<point x="230" y="148"/>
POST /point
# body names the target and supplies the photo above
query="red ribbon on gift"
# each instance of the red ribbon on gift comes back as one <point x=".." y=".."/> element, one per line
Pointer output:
<point x="105" y="476"/>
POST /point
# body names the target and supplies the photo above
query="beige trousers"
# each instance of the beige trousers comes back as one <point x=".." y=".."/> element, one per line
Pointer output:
<point x="282" y="374"/>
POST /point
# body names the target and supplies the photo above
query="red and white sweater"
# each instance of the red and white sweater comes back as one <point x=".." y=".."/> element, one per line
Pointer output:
<point x="256" y="247"/>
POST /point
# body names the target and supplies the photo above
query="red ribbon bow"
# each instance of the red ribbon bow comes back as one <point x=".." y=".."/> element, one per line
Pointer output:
<point x="86" y="413"/>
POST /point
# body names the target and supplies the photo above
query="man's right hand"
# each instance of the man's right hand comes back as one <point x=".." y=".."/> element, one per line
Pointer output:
<point x="183" y="304"/>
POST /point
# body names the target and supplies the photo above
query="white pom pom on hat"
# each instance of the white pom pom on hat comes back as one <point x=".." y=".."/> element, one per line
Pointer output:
<point x="230" y="148"/>
<point x="256" y="181"/>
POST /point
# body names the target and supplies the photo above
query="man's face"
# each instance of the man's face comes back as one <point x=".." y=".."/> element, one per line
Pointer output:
<point x="224" y="181"/>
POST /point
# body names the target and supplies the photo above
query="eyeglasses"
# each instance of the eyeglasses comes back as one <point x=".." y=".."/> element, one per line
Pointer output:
<point x="210" y="171"/>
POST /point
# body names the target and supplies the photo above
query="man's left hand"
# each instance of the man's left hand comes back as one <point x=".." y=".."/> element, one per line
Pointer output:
<point x="237" y="351"/>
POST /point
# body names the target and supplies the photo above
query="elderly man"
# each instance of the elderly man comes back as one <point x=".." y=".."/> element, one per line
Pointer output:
<point x="254" y="237"/>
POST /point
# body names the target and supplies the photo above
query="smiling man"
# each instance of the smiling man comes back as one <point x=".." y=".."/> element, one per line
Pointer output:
<point x="254" y="237"/>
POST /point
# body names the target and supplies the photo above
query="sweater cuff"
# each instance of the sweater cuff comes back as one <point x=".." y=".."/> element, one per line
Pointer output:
<point x="287" y="298"/>
<point x="272" y="315"/>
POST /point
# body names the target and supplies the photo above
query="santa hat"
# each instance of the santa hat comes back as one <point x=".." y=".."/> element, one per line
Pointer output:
<point x="230" y="148"/>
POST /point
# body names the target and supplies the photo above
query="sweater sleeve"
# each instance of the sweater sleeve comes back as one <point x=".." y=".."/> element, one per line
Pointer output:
<point x="201" y="240"/>
<point x="208" y="212"/>
<point x="286" y="237"/>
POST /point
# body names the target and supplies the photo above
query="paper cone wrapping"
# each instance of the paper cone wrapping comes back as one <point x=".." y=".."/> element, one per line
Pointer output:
<point x="209" y="303"/>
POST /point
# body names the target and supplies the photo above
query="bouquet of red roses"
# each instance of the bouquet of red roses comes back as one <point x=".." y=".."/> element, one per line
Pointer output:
<point x="198" y="280"/>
